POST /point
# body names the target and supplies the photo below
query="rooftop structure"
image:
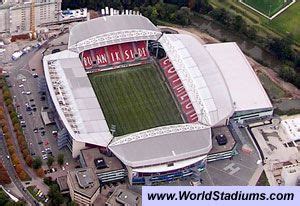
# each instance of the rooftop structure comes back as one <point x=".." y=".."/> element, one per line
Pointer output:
<point x="113" y="30"/>
<point x="162" y="144"/>
<point x="74" y="98"/>
<point x="200" y="77"/>
<point x="239" y="76"/>
<point x="63" y="184"/>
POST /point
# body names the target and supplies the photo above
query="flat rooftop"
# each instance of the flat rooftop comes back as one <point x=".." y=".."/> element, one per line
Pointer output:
<point x="123" y="196"/>
<point x="62" y="183"/>
<point x="81" y="181"/>
<point x="216" y="148"/>
<point x="89" y="155"/>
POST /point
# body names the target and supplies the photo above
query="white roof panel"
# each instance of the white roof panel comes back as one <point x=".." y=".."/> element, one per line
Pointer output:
<point x="245" y="88"/>
<point x="200" y="76"/>
<point x="74" y="98"/>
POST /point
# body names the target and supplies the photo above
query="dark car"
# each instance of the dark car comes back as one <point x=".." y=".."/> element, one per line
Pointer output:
<point x="55" y="51"/>
<point x="221" y="139"/>
<point x="40" y="142"/>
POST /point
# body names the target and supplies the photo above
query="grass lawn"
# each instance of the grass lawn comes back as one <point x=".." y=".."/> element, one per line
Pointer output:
<point x="267" y="7"/>
<point x="273" y="90"/>
<point x="285" y="23"/>
<point x="263" y="180"/>
<point x="288" y="21"/>
<point x="134" y="99"/>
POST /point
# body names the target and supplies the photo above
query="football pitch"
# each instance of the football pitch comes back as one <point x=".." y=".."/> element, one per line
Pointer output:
<point x="134" y="99"/>
<point x="267" y="7"/>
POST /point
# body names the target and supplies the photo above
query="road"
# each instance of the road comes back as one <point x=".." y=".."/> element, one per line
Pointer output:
<point x="12" y="173"/>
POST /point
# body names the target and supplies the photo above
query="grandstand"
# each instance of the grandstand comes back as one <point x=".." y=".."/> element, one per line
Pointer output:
<point x="200" y="80"/>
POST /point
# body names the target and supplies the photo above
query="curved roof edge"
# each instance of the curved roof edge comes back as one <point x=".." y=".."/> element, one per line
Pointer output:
<point x="108" y="30"/>
<point x="201" y="77"/>
<point x="163" y="144"/>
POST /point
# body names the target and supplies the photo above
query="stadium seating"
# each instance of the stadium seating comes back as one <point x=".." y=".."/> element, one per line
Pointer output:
<point x="179" y="90"/>
<point x="100" y="56"/>
<point x="87" y="59"/>
<point x="141" y="48"/>
<point x="115" y="54"/>
<point x="127" y="51"/>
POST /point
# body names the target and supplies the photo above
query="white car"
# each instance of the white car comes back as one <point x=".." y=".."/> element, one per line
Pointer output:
<point x="45" y="157"/>
<point x="24" y="80"/>
<point x="63" y="168"/>
<point x="28" y="93"/>
<point x="21" y="85"/>
<point x="7" y="156"/>
<point x="23" y="92"/>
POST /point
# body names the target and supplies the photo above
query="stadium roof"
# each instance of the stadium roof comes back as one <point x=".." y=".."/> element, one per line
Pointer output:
<point x="110" y="30"/>
<point x="200" y="76"/>
<point x="74" y="98"/>
<point x="162" y="144"/>
<point x="245" y="88"/>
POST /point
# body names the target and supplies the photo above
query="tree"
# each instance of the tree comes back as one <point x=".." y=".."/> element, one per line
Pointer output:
<point x="182" y="16"/>
<point x="55" y="197"/>
<point x="29" y="160"/>
<point x="282" y="48"/>
<point x="60" y="159"/>
<point x="4" y="177"/>
<point x="40" y="172"/>
<point x="287" y="73"/>
<point x="50" y="161"/>
<point x="37" y="163"/>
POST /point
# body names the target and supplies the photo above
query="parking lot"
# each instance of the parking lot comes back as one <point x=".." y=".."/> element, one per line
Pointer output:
<point x="24" y="75"/>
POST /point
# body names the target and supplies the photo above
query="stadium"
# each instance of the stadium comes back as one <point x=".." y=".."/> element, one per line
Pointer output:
<point x="149" y="98"/>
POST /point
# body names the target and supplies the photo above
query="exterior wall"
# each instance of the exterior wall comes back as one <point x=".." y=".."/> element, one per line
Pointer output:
<point x="77" y="146"/>
<point x="240" y="117"/>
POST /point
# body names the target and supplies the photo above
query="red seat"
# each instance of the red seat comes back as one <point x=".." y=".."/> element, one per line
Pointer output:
<point x="141" y="48"/>
<point x="87" y="59"/>
<point x="114" y="54"/>
<point x="100" y="56"/>
<point x="128" y="51"/>
<point x="192" y="117"/>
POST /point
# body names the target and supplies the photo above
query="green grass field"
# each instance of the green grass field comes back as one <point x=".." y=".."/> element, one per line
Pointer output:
<point x="284" y="24"/>
<point x="267" y="7"/>
<point x="135" y="99"/>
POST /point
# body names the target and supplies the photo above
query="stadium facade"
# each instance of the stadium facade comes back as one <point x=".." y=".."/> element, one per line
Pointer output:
<point x="213" y="84"/>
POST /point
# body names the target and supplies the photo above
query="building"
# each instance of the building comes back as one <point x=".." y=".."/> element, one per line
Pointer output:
<point x="291" y="174"/>
<point x="16" y="15"/>
<point x="214" y="85"/>
<point x="122" y="196"/>
<point x="63" y="184"/>
<point x="291" y="127"/>
<point x="83" y="185"/>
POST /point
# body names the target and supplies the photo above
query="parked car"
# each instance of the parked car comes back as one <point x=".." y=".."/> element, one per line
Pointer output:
<point x="221" y="139"/>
